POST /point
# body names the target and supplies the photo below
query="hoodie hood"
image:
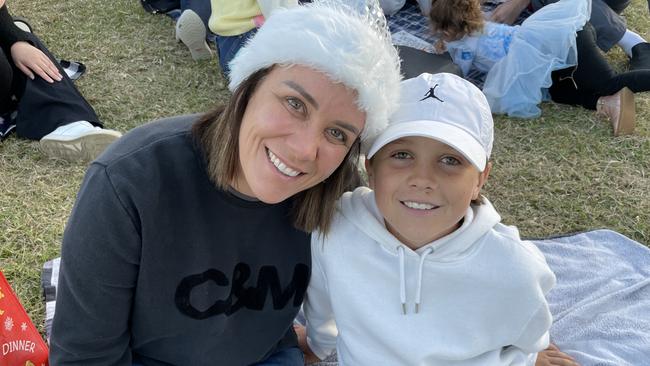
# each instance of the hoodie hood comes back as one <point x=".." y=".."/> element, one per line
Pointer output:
<point x="360" y="208"/>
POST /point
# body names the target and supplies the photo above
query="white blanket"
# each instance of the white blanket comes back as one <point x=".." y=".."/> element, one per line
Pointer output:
<point x="600" y="305"/>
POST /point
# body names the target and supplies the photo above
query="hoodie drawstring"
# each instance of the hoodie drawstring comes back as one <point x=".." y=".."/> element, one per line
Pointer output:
<point x="418" y="294"/>
<point x="402" y="278"/>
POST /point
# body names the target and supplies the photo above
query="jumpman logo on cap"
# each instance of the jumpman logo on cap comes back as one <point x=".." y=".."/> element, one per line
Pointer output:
<point x="432" y="94"/>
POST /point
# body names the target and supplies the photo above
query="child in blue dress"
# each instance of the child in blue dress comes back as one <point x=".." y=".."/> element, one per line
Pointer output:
<point x="548" y="50"/>
<point x="518" y="60"/>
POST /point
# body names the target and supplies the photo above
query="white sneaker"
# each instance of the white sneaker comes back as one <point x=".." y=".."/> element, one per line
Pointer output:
<point x="77" y="141"/>
<point x="22" y="24"/>
<point x="191" y="31"/>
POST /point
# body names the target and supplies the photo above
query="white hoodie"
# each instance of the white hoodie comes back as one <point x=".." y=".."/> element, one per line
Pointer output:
<point x="480" y="291"/>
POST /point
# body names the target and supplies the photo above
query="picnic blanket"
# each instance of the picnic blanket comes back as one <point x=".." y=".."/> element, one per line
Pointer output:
<point x="410" y="28"/>
<point x="600" y="305"/>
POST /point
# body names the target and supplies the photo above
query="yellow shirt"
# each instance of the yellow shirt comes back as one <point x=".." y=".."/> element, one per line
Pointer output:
<point x="233" y="17"/>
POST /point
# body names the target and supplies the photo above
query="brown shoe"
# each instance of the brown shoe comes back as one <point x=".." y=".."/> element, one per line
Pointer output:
<point x="619" y="109"/>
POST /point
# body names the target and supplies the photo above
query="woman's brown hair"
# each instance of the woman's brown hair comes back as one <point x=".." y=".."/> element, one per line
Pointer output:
<point x="217" y="135"/>
<point x="456" y="18"/>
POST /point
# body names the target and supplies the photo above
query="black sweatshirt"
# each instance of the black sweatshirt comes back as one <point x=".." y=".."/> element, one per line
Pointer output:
<point x="160" y="267"/>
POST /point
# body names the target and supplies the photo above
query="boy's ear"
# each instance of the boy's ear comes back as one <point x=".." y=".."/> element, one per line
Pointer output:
<point x="371" y="174"/>
<point x="482" y="179"/>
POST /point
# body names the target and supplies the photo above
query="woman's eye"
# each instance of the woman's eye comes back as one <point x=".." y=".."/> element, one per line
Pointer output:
<point x="401" y="155"/>
<point x="337" y="134"/>
<point x="295" y="104"/>
<point x="450" y="160"/>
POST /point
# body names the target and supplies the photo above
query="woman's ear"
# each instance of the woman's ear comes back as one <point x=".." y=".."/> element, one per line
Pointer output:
<point x="371" y="175"/>
<point x="482" y="179"/>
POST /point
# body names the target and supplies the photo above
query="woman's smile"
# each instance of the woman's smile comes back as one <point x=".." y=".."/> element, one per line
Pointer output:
<point x="281" y="165"/>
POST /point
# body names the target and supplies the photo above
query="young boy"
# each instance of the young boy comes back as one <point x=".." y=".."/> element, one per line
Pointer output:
<point x="419" y="270"/>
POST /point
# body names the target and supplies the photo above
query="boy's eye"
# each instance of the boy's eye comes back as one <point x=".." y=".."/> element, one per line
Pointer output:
<point x="401" y="155"/>
<point x="450" y="160"/>
<point x="295" y="104"/>
<point x="337" y="135"/>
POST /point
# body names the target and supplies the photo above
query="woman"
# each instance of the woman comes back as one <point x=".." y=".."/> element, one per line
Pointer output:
<point x="189" y="243"/>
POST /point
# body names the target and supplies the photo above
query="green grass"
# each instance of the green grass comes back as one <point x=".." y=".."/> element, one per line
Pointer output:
<point x="560" y="173"/>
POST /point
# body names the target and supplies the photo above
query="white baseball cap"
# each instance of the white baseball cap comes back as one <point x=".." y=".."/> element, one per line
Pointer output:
<point x="446" y="108"/>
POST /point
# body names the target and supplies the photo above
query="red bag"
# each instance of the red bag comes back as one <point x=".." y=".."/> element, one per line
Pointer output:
<point x="20" y="342"/>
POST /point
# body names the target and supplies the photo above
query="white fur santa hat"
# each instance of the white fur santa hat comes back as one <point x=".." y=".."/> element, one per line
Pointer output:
<point x="349" y="46"/>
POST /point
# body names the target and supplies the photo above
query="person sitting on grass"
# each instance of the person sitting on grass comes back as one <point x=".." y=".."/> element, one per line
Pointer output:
<point x="233" y="22"/>
<point x="419" y="270"/>
<point x="545" y="52"/>
<point x="49" y="107"/>
<point x="609" y="26"/>
<point x="189" y="242"/>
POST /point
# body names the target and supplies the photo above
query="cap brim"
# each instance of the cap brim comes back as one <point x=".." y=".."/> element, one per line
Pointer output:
<point x="448" y="134"/>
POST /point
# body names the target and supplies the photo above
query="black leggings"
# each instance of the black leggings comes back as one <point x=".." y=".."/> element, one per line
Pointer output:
<point x="41" y="106"/>
<point x="6" y="76"/>
<point x="593" y="76"/>
<point x="11" y="83"/>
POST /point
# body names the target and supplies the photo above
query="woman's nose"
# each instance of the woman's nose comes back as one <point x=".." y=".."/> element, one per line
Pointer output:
<point x="305" y="143"/>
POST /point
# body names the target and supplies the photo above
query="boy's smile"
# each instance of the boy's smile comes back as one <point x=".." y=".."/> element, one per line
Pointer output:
<point x="423" y="188"/>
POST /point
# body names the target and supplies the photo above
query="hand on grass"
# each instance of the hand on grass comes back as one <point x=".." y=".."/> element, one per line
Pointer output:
<point x="552" y="356"/>
<point x="30" y="60"/>
<point x="509" y="11"/>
